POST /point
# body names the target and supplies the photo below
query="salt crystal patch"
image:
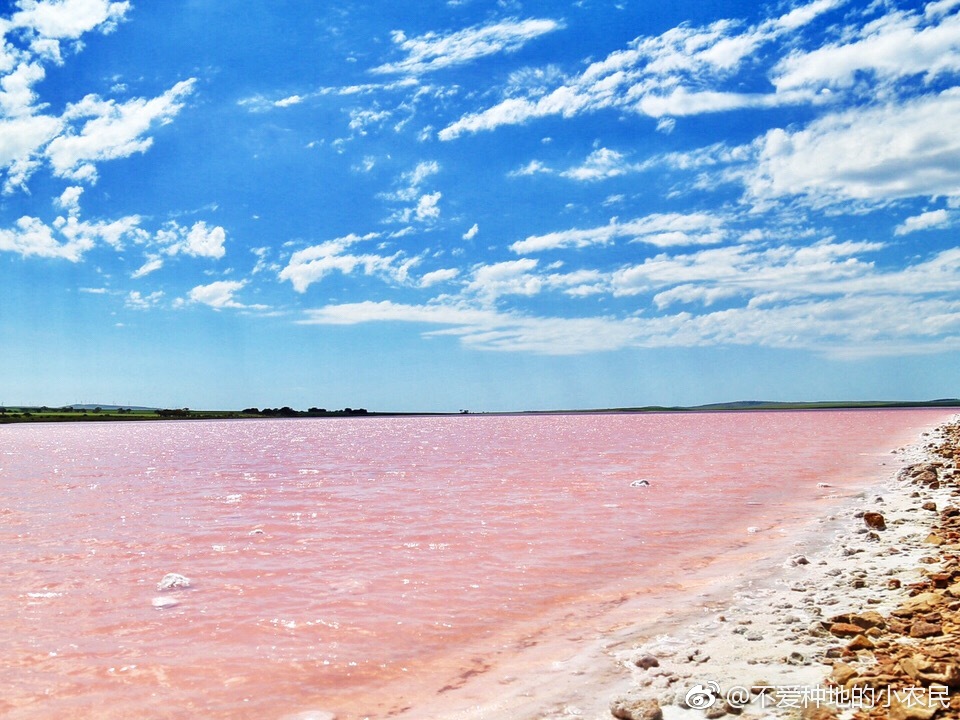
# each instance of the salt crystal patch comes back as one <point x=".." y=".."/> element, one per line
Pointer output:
<point x="172" y="581"/>
<point x="164" y="602"/>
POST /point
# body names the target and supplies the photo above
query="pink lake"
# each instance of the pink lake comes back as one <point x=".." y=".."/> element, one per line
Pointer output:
<point x="371" y="566"/>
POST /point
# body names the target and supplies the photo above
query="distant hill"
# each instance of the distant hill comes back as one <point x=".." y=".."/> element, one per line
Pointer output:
<point x="826" y="404"/>
<point x="92" y="406"/>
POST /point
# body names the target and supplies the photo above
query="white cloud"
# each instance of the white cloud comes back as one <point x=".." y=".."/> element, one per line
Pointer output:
<point x="114" y="232"/>
<point x="438" y="276"/>
<point x="314" y="263"/>
<point x="534" y="167"/>
<point x="152" y="264"/>
<point x="360" y="120"/>
<point x="205" y="241"/>
<point x="21" y="140"/>
<point x="110" y="130"/>
<point x="666" y="125"/>
<point x="514" y="277"/>
<point x="472" y="232"/>
<point x="844" y="326"/>
<point x="288" y="101"/>
<point x="427" y="208"/>
<point x="199" y="240"/>
<point x="900" y="44"/>
<point x="68" y="19"/>
<point x="67" y="238"/>
<point x="32" y="237"/>
<point x="86" y="132"/>
<point x="925" y="221"/>
<point x="659" y="229"/>
<point x="601" y="164"/>
<point x="219" y="295"/>
<point x="69" y="199"/>
<point x="680" y="72"/>
<point x="137" y="301"/>
<point x="431" y="52"/>
<point x="877" y="154"/>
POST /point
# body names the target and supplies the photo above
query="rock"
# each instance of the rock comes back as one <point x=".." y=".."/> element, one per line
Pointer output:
<point x="912" y="708"/>
<point x="173" y="581"/>
<point x="842" y="673"/>
<point x="933" y="539"/>
<point x="922" y="603"/>
<point x="929" y="506"/>
<point x="874" y="521"/>
<point x="845" y="630"/>
<point x="869" y="619"/>
<point x="922" y="629"/>
<point x="860" y="642"/>
<point x="893" y="583"/>
<point x="646" y="662"/>
<point x="632" y="708"/>
<point x="311" y="715"/>
<point x="164" y="602"/>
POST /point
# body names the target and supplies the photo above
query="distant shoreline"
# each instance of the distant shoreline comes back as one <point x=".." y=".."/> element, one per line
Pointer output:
<point x="23" y="414"/>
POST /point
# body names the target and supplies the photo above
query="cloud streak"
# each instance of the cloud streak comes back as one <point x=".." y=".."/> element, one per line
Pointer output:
<point x="431" y="52"/>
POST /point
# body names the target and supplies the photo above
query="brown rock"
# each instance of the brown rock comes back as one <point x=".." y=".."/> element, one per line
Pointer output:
<point x="922" y="629"/>
<point x="929" y="506"/>
<point x="842" y="673"/>
<point x="869" y="619"/>
<point x="628" y="708"/>
<point x="915" y="666"/>
<point x="922" y="603"/>
<point x="860" y="642"/>
<point x="875" y="521"/>
<point x="646" y="662"/>
<point x="933" y="539"/>
<point x="954" y="590"/>
<point x="940" y="580"/>
<point x="911" y="708"/>
<point x="893" y="584"/>
<point x="845" y="630"/>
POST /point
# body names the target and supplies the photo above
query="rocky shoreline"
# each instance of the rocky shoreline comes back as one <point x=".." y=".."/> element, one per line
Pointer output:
<point x="866" y="628"/>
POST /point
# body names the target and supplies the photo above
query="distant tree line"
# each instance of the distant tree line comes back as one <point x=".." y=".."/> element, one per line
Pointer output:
<point x="287" y="411"/>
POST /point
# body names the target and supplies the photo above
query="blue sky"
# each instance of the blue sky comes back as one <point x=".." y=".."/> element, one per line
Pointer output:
<point x="478" y="205"/>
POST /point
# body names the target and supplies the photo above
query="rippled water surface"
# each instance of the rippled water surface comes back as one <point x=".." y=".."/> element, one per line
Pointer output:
<point x="333" y="560"/>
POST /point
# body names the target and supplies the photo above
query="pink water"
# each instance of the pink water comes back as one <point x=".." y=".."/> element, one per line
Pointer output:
<point x="347" y="564"/>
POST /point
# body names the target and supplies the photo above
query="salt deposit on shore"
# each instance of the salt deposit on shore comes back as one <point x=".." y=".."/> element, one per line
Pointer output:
<point x="866" y="627"/>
